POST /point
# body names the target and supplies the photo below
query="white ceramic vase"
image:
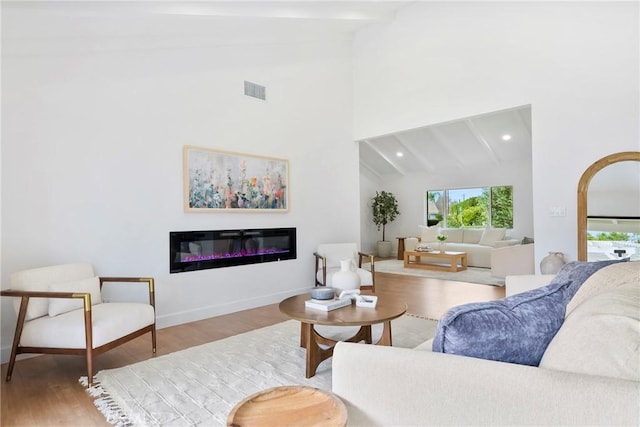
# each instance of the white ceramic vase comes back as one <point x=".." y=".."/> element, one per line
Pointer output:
<point x="346" y="278"/>
<point x="552" y="263"/>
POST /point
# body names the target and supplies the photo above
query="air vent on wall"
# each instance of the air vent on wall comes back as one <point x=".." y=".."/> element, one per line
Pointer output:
<point x="255" y="90"/>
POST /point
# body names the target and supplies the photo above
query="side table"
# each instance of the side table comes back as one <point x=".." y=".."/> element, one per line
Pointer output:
<point x="400" y="247"/>
<point x="288" y="406"/>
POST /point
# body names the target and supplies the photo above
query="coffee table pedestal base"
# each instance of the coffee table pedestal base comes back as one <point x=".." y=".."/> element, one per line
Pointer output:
<point x="312" y="340"/>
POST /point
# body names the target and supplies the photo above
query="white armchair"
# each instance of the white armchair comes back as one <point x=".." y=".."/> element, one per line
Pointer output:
<point x="60" y="311"/>
<point x="327" y="262"/>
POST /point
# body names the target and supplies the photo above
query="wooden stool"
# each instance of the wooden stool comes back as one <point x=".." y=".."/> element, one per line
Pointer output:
<point x="289" y="406"/>
<point x="400" y="247"/>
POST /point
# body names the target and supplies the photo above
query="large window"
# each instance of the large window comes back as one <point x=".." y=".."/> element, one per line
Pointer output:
<point x="471" y="207"/>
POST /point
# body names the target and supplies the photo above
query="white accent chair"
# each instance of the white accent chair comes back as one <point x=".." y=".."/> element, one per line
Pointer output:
<point x="60" y="311"/>
<point x="327" y="262"/>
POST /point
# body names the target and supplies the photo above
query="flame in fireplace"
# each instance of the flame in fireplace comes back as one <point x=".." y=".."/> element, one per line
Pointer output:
<point x="238" y="254"/>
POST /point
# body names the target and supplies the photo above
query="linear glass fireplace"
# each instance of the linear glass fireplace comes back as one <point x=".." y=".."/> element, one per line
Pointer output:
<point x="200" y="250"/>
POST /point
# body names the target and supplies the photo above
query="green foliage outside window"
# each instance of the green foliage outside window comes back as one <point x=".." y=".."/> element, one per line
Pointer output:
<point x="469" y="208"/>
<point x="613" y="236"/>
<point x="502" y="207"/>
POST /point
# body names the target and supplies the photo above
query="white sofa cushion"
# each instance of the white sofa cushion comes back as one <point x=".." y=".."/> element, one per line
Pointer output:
<point x="454" y="235"/>
<point x="64" y="305"/>
<point x="110" y="322"/>
<point x="492" y="235"/>
<point x="601" y="336"/>
<point x="611" y="276"/>
<point x="428" y="234"/>
<point x="472" y="235"/>
<point x="39" y="279"/>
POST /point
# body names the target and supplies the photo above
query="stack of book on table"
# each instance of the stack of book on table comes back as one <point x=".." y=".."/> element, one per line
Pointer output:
<point x="327" y="305"/>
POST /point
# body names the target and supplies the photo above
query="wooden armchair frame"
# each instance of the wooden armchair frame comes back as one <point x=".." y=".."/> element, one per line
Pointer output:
<point x="322" y="260"/>
<point x="89" y="352"/>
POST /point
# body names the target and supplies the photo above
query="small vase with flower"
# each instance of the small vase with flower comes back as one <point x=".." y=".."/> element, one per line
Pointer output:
<point x="441" y="239"/>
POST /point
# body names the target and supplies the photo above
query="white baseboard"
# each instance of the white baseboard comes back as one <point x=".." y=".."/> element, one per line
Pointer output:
<point x="183" y="317"/>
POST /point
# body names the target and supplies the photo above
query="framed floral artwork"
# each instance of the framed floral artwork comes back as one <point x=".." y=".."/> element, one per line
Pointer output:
<point x="225" y="181"/>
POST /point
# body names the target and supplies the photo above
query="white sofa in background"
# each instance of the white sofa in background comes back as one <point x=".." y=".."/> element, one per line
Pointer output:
<point x="477" y="243"/>
<point x="589" y="373"/>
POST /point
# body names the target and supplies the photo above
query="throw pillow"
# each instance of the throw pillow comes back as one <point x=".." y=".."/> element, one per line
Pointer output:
<point x="516" y="329"/>
<point x="472" y="235"/>
<point x="610" y="276"/>
<point x="63" y="305"/>
<point x="454" y="235"/>
<point x="600" y="337"/>
<point x="428" y="234"/>
<point x="492" y="235"/>
<point x="579" y="271"/>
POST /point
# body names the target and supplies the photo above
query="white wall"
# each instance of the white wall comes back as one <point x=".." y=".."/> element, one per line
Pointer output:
<point x="369" y="233"/>
<point x="576" y="63"/>
<point x="92" y="142"/>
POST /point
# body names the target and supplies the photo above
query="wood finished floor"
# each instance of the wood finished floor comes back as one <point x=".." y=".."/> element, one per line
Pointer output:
<point x="44" y="390"/>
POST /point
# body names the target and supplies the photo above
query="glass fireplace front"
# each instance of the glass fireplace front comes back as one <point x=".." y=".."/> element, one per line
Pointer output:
<point x="200" y="250"/>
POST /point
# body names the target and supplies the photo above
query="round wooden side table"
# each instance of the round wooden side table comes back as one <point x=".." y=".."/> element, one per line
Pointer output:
<point x="289" y="406"/>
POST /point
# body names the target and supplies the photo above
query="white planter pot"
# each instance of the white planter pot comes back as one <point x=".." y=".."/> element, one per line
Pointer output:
<point x="384" y="249"/>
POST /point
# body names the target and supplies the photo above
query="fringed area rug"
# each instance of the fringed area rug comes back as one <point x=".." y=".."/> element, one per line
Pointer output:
<point x="200" y="385"/>
<point x="478" y="275"/>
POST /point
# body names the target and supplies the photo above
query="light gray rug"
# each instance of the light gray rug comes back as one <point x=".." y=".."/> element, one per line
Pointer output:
<point x="471" y="274"/>
<point x="200" y="385"/>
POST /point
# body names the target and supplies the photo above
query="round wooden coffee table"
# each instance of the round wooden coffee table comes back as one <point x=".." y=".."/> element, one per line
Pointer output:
<point x="289" y="406"/>
<point x="384" y="312"/>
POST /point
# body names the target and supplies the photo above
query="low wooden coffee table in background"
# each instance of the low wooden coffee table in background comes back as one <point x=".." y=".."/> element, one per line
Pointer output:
<point x="385" y="311"/>
<point x="435" y="260"/>
<point x="289" y="406"/>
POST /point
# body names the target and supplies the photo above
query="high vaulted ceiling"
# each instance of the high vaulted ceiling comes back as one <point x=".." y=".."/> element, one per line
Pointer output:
<point x="456" y="145"/>
<point x="187" y="18"/>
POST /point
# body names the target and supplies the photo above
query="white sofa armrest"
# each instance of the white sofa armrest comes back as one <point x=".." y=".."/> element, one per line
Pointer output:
<point x="505" y="243"/>
<point x="410" y="243"/>
<point x="510" y="260"/>
<point x="525" y="282"/>
<point x="400" y="387"/>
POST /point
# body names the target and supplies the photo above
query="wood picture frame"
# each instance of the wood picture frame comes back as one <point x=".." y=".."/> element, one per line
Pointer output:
<point x="226" y="181"/>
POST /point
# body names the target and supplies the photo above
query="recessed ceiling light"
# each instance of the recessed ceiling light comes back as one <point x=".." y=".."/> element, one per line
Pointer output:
<point x="506" y="137"/>
<point x="399" y="154"/>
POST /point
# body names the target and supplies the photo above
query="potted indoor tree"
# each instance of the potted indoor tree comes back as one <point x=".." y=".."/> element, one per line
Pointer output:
<point x="385" y="209"/>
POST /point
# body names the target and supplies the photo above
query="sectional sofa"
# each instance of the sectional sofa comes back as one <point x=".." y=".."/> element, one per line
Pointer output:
<point x="477" y="243"/>
<point x="589" y="373"/>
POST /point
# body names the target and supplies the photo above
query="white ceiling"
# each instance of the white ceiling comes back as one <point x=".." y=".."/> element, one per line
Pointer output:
<point x="471" y="142"/>
<point x="95" y="25"/>
<point x="225" y="18"/>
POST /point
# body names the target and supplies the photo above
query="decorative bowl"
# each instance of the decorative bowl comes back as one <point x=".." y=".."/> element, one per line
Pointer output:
<point x="322" y="293"/>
